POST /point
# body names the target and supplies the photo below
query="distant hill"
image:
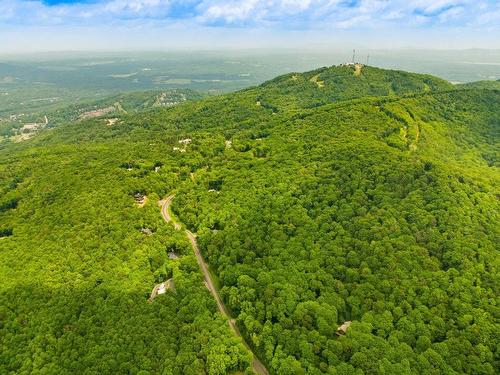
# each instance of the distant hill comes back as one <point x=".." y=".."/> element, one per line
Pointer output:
<point x="492" y="85"/>
<point x="339" y="83"/>
<point x="21" y="127"/>
<point x="296" y="92"/>
<point x="130" y="102"/>
<point x="138" y="101"/>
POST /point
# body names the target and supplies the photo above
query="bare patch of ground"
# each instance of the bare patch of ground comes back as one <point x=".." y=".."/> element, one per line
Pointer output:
<point x="119" y="107"/>
<point x="30" y="127"/>
<point x="22" y="137"/>
<point x="7" y="79"/>
<point x="27" y="131"/>
<point x="96" y="113"/>
<point x="126" y="75"/>
<point x="413" y="145"/>
<point x="317" y="81"/>
<point x="357" y="69"/>
<point x="111" y="121"/>
<point x="184" y="143"/>
<point x="163" y="100"/>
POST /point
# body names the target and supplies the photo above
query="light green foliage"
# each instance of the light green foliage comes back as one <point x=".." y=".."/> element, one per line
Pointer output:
<point x="379" y="210"/>
<point x="341" y="83"/>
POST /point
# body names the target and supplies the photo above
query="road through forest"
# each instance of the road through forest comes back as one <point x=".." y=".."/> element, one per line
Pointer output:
<point x="257" y="365"/>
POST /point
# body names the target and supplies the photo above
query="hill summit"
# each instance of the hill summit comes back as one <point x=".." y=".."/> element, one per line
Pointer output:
<point x="345" y="82"/>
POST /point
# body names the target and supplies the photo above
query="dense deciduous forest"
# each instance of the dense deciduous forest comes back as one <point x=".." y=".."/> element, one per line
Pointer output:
<point x="336" y="195"/>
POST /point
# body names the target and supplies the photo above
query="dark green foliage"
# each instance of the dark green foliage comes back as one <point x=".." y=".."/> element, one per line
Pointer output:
<point x="8" y="204"/>
<point x="4" y="232"/>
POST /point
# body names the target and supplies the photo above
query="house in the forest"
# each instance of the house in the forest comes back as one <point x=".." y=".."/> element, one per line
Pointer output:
<point x="342" y="329"/>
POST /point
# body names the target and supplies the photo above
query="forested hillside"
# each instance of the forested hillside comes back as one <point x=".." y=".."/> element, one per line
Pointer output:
<point x="28" y="118"/>
<point x="337" y="195"/>
<point x="482" y="85"/>
<point x="343" y="83"/>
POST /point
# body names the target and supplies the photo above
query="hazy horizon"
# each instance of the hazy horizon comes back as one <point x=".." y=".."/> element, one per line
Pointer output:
<point x="235" y="49"/>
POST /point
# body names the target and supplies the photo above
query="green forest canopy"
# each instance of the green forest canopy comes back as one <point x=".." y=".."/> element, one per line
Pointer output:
<point x="318" y="198"/>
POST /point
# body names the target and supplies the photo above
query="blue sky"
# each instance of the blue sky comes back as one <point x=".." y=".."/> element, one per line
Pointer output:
<point x="81" y="24"/>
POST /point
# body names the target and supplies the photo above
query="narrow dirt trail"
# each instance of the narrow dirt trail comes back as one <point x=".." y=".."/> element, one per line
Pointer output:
<point x="357" y="69"/>
<point x="257" y="365"/>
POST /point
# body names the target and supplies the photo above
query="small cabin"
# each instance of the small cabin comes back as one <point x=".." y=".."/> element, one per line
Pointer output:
<point x="30" y="127"/>
<point x="185" y="142"/>
<point x="140" y="199"/>
<point x="161" y="289"/>
<point x="342" y="329"/>
<point x="172" y="255"/>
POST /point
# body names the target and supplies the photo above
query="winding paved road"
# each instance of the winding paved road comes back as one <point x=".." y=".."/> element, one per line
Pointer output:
<point x="165" y="205"/>
<point x="257" y="365"/>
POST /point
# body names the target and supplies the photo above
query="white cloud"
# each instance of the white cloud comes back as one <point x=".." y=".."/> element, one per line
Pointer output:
<point x="430" y="6"/>
<point x="134" y="5"/>
<point x="356" y="21"/>
<point x="394" y="15"/>
<point x="230" y="11"/>
<point x="450" y="14"/>
<point x="273" y="14"/>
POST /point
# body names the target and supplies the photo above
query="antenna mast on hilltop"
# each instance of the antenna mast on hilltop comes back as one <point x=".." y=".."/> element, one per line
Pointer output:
<point x="367" y="59"/>
<point x="353" y="55"/>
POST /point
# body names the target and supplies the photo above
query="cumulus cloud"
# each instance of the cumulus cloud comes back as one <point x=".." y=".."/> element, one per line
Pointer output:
<point x="134" y="5"/>
<point x="283" y="14"/>
<point x="431" y="6"/>
<point x="231" y="11"/>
